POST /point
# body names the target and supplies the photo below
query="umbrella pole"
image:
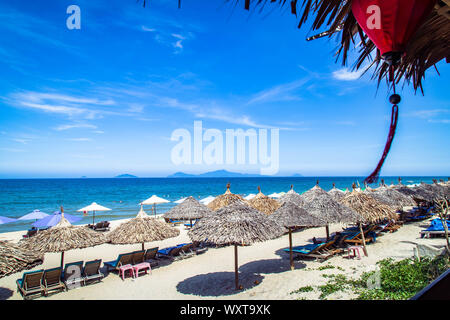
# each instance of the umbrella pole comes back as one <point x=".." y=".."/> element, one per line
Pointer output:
<point x="154" y="210"/>
<point x="327" y="229"/>
<point x="93" y="217"/>
<point x="236" y="273"/>
<point x="143" y="246"/>
<point x="62" y="259"/>
<point x="290" y="249"/>
<point x="363" y="239"/>
<point x="190" y="220"/>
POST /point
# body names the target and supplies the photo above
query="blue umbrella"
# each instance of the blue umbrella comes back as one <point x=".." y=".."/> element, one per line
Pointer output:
<point x="53" y="219"/>
<point x="35" y="215"/>
<point x="6" y="220"/>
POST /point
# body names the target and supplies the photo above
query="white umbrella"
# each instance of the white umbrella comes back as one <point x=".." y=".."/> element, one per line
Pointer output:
<point x="93" y="207"/>
<point x="207" y="200"/>
<point x="35" y="215"/>
<point x="180" y="201"/>
<point x="153" y="200"/>
<point x="250" y="196"/>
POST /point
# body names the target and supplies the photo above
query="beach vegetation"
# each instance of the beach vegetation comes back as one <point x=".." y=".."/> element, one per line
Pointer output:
<point x="303" y="289"/>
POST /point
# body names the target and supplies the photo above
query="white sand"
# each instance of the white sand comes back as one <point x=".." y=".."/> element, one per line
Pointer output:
<point x="211" y="275"/>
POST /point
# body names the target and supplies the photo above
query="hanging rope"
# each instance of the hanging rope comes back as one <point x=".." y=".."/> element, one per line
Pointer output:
<point x="395" y="100"/>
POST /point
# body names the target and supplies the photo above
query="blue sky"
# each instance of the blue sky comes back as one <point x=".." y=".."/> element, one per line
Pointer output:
<point x="104" y="100"/>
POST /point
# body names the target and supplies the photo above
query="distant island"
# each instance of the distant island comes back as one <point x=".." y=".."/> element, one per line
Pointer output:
<point x="125" y="176"/>
<point x="219" y="174"/>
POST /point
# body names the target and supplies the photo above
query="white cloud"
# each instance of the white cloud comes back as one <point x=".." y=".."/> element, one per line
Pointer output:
<point x="283" y="92"/>
<point x="75" y="126"/>
<point x="80" y="139"/>
<point x="345" y="75"/>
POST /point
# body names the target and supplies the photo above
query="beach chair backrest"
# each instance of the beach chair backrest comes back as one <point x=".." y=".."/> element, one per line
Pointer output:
<point x="151" y="253"/>
<point x="92" y="267"/>
<point x="126" y="258"/>
<point x="138" y="256"/>
<point x="72" y="269"/>
<point x="32" y="279"/>
<point x="175" y="251"/>
<point x="186" y="247"/>
<point x="52" y="276"/>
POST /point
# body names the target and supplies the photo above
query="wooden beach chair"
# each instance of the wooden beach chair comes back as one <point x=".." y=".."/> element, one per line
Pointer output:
<point x="356" y="238"/>
<point x="318" y="251"/>
<point x="171" y="252"/>
<point x="72" y="274"/>
<point x="150" y="256"/>
<point x="52" y="280"/>
<point x="31" y="284"/>
<point x="122" y="259"/>
<point x="138" y="256"/>
<point x="91" y="271"/>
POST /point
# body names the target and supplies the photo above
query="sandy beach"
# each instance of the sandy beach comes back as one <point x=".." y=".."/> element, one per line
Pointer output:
<point x="264" y="268"/>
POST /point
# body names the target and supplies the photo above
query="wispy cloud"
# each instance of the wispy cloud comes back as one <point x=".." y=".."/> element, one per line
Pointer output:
<point x="345" y="74"/>
<point x="428" y="113"/>
<point x="283" y="92"/>
<point x="79" y="139"/>
<point x="75" y="126"/>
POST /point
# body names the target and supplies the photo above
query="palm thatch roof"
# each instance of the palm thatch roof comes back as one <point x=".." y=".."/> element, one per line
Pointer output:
<point x="236" y="224"/>
<point x="224" y="199"/>
<point x="318" y="202"/>
<point x="336" y="194"/>
<point x="438" y="191"/>
<point x="14" y="258"/>
<point x="390" y="197"/>
<point x="368" y="207"/>
<point x="188" y="209"/>
<point x="428" y="46"/>
<point x="63" y="237"/>
<point x="290" y="215"/>
<point x="142" y="229"/>
<point x="418" y="194"/>
<point x="263" y="203"/>
<point x="291" y="196"/>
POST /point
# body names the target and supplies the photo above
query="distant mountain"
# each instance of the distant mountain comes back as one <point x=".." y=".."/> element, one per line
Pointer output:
<point x="213" y="174"/>
<point x="125" y="176"/>
<point x="297" y="175"/>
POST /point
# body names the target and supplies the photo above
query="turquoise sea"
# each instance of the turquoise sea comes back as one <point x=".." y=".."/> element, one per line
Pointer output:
<point x="21" y="196"/>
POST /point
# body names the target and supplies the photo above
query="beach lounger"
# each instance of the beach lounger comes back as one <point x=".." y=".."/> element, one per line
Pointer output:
<point x="31" y="284"/>
<point x="72" y="274"/>
<point x="150" y="256"/>
<point x="173" y="222"/>
<point x="171" y="252"/>
<point x="435" y="229"/>
<point x="30" y="233"/>
<point x="138" y="257"/>
<point x="318" y="251"/>
<point x="51" y="280"/>
<point x="356" y="238"/>
<point x="91" y="271"/>
<point x="122" y="259"/>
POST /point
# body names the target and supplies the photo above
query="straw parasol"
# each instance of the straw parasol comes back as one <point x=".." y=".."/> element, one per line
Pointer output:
<point x="189" y="209"/>
<point x="418" y="194"/>
<point x="93" y="207"/>
<point x="318" y="202"/>
<point x="13" y="258"/>
<point x="291" y="196"/>
<point x="224" y="200"/>
<point x="336" y="194"/>
<point x="236" y="224"/>
<point x="390" y="197"/>
<point x="290" y="216"/>
<point x="368" y="208"/>
<point x="141" y="229"/>
<point x="63" y="237"/>
<point x="263" y="203"/>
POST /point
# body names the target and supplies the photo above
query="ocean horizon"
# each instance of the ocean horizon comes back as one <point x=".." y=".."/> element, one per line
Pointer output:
<point x="123" y="195"/>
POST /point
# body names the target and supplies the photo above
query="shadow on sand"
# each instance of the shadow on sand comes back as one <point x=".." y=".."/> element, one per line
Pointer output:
<point x="217" y="283"/>
<point x="270" y="266"/>
<point x="5" y="293"/>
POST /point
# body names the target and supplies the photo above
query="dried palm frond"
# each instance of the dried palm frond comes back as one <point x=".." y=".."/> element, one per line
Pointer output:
<point x="14" y="258"/>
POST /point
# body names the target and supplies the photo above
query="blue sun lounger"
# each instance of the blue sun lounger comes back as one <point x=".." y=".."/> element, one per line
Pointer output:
<point x="166" y="251"/>
<point x="315" y="250"/>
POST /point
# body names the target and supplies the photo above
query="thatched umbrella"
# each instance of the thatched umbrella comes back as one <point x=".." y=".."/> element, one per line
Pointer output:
<point x="224" y="199"/>
<point x="438" y="191"/>
<point x="263" y="203"/>
<point x="14" y="258"/>
<point x="141" y="229"/>
<point x="368" y="208"/>
<point x="390" y="197"/>
<point x="318" y="202"/>
<point x="63" y="237"/>
<point x="290" y="216"/>
<point x="236" y="224"/>
<point x="336" y="194"/>
<point x="291" y="196"/>
<point x="187" y="210"/>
